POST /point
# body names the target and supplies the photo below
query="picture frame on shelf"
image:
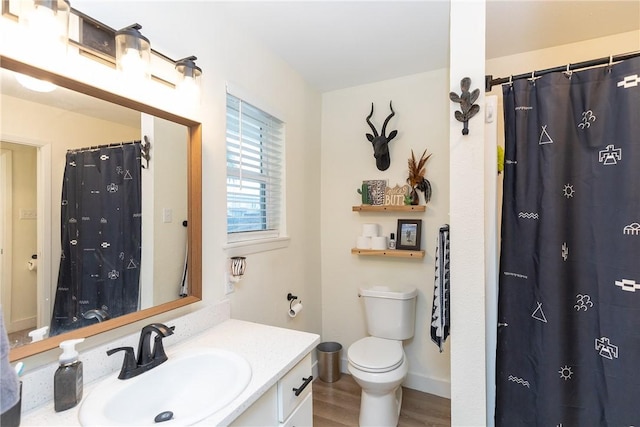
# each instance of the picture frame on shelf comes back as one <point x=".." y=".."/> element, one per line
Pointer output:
<point x="408" y="234"/>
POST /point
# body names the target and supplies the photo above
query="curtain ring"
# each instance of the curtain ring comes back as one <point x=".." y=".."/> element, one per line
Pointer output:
<point x="532" y="79"/>
<point x="569" y="72"/>
<point x="510" y="82"/>
<point x="610" y="66"/>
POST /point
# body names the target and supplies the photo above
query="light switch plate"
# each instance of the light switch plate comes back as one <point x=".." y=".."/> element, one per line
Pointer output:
<point x="28" y="214"/>
<point x="167" y="215"/>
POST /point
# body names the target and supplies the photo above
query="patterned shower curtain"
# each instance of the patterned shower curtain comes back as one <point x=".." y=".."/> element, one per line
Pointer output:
<point x="101" y="237"/>
<point x="569" y="296"/>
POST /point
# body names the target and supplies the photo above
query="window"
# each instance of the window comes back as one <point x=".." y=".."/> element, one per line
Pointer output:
<point x="254" y="172"/>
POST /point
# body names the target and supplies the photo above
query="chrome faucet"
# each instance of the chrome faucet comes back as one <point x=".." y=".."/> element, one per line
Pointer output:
<point x="147" y="358"/>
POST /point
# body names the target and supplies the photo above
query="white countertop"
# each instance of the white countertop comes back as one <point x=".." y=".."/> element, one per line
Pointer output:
<point x="271" y="352"/>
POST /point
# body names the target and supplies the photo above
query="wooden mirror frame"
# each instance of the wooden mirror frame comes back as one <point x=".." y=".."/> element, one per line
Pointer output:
<point x="194" y="218"/>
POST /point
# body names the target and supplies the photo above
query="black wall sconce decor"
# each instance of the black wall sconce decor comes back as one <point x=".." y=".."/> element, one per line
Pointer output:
<point x="466" y="101"/>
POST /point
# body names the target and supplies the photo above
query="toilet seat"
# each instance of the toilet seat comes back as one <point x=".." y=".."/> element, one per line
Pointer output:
<point x="376" y="355"/>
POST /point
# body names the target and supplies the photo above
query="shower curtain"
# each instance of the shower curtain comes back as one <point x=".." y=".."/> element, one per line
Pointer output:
<point x="101" y="237"/>
<point x="569" y="293"/>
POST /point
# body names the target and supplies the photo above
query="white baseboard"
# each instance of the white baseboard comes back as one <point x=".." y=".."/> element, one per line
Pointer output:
<point x="429" y="385"/>
<point x="413" y="381"/>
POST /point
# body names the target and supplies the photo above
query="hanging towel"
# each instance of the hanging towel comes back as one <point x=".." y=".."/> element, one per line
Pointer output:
<point x="440" y="313"/>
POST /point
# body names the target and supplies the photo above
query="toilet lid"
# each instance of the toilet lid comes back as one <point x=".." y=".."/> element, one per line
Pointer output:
<point x="372" y="354"/>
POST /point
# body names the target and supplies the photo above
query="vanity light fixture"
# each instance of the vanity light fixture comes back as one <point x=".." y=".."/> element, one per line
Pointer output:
<point x="47" y="25"/>
<point x="189" y="73"/>
<point x="133" y="52"/>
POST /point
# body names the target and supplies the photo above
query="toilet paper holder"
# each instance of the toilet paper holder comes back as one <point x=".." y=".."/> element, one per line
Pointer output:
<point x="291" y="298"/>
<point x="295" y="305"/>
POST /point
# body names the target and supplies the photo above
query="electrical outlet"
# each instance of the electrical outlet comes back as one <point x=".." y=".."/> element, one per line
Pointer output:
<point x="228" y="285"/>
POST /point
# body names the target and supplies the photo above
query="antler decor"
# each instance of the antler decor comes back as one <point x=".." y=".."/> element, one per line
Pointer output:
<point x="381" y="142"/>
<point x="416" y="178"/>
<point x="466" y="100"/>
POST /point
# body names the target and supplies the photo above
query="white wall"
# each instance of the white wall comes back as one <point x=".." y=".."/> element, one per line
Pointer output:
<point x="169" y="160"/>
<point x="228" y="55"/>
<point x="421" y="105"/>
<point x="468" y="378"/>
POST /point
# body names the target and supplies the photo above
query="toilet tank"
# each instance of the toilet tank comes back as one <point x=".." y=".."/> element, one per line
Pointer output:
<point x="390" y="312"/>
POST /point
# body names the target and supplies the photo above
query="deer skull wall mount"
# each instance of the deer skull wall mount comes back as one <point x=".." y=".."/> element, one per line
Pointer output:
<point x="381" y="142"/>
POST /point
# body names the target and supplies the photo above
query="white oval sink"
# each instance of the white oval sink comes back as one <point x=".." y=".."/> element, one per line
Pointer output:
<point x="191" y="384"/>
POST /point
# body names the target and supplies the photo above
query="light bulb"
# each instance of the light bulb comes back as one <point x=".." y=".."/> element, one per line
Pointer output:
<point x="44" y="25"/>
<point x="34" y="84"/>
<point x="132" y="64"/>
<point x="188" y="88"/>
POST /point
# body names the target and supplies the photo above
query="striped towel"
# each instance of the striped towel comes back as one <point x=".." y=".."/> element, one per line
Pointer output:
<point x="440" y="313"/>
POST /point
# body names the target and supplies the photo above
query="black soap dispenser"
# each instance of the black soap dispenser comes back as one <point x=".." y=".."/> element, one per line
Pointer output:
<point x="67" y="381"/>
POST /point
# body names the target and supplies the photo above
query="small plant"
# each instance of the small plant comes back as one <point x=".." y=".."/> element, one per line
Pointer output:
<point x="364" y="193"/>
<point x="416" y="179"/>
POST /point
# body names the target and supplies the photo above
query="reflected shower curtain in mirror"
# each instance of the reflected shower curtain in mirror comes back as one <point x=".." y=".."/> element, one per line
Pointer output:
<point x="569" y="293"/>
<point x="101" y="237"/>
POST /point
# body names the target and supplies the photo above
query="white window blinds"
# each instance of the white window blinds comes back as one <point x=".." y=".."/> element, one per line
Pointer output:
<point x="254" y="171"/>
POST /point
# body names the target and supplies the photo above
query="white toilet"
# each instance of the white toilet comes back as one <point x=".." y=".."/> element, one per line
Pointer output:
<point x="378" y="363"/>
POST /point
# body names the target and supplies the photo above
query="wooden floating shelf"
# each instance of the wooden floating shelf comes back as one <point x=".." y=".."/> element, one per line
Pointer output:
<point x="389" y="208"/>
<point x="395" y="253"/>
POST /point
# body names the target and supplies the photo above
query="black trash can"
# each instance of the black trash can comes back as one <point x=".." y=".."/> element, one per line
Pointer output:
<point x="329" y="361"/>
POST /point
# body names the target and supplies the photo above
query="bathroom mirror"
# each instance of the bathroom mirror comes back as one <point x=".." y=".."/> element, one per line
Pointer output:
<point x="171" y="200"/>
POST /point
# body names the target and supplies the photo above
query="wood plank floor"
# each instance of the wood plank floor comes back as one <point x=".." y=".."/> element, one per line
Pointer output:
<point x="337" y="404"/>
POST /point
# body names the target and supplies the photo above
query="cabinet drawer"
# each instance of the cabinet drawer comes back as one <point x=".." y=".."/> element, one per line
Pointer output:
<point x="298" y="378"/>
<point x="303" y="415"/>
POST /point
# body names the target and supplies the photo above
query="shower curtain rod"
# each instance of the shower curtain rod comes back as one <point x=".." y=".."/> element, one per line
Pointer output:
<point x="95" y="147"/>
<point x="489" y="81"/>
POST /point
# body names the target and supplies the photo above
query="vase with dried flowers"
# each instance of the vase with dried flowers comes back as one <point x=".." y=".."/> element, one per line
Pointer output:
<point x="416" y="178"/>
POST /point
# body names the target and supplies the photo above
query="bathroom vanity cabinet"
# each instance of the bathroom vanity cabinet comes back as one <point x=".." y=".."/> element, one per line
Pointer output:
<point x="286" y="404"/>
<point x="280" y="361"/>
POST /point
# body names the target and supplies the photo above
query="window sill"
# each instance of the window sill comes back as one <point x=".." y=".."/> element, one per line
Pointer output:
<point x="255" y="246"/>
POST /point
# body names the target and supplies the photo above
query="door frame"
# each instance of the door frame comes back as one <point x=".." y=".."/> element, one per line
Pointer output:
<point x="44" y="278"/>
<point x="6" y="197"/>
